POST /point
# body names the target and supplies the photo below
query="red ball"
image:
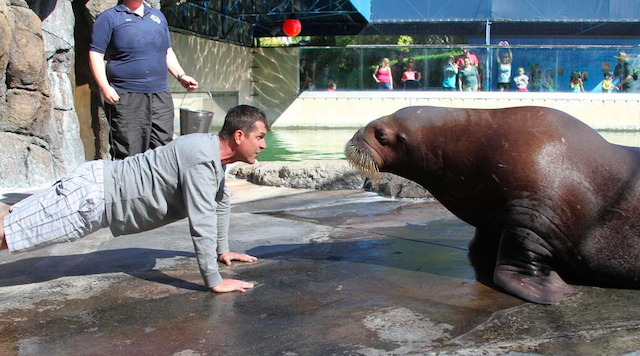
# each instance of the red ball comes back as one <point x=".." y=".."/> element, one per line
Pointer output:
<point x="292" y="27"/>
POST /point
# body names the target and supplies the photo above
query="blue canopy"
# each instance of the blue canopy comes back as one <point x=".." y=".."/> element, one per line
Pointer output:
<point x="241" y="21"/>
<point x="564" y="18"/>
<point x="383" y="11"/>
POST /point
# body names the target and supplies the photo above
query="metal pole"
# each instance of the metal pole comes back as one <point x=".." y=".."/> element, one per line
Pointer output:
<point x="425" y="70"/>
<point x="489" y="65"/>
<point x="361" y="68"/>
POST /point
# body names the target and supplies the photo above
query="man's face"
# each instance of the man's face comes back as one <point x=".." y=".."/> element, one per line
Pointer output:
<point x="251" y="144"/>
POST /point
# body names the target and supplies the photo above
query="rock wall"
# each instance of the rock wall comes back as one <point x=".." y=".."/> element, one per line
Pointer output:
<point x="325" y="175"/>
<point x="39" y="132"/>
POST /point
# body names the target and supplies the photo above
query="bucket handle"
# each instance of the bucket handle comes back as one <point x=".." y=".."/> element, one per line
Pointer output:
<point x="185" y="95"/>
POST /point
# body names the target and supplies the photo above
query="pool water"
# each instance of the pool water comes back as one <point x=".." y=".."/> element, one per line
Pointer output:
<point x="328" y="144"/>
<point x="625" y="138"/>
<point x="306" y="144"/>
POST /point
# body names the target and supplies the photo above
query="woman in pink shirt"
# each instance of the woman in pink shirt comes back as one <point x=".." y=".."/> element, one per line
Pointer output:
<point x="382" y="75"/>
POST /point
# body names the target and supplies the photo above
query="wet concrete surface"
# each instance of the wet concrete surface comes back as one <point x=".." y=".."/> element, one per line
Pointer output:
<point x="339" y="273"/>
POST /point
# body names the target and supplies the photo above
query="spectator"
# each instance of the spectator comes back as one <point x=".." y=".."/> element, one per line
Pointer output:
<point x="480" y="68"/>
<point x="548" y="82"/>
<point x="468" y="76"/>
<point x="311" y="75"/>
<point x="575" y="82"/>
<point x="411" y="78"/>
<point x="473" y="59"/>
<point x="521" y="80"/>
<point x="332" y="86"/>
<point x="623" y="72"/>
<point x="397" y="70"/>
<point x="382" y="75"/>
<point x="607" y="83"/>
<point x="304" y="75"/>
<point x="450" y="72"/>
<point x="536" y="78"/>
<point x="133" y="83"/>
<point x="504" y="68"/>
<point x="325" y="79"/>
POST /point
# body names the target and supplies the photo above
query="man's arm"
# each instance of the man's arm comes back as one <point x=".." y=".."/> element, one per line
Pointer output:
<point x="629" y="70"/>
<point x="176" y="70"/>
<point x="96" y="62"/>
<point x="223" y="199"/>
<point x="100" y="39"/>
<point x="200" y="188"/>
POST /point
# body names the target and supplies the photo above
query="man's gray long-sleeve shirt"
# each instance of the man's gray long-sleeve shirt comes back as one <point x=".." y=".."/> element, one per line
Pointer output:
<point x="182" y="179"/>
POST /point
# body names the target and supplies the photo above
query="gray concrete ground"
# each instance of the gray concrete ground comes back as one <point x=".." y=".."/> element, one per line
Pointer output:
<point x="339" y="273"/>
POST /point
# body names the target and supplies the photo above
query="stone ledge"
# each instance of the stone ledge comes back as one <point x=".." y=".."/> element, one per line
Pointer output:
<point x="325" y="175"/>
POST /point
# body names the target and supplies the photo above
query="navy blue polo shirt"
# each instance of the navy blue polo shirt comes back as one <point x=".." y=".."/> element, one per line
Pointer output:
<point x="135" y="48"/>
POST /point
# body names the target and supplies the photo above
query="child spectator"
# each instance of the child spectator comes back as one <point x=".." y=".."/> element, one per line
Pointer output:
<point x="576" y="82"/>
<point x="521" y="80"/>
<point x="411" y="77"/>
<point x="607" y="83"/>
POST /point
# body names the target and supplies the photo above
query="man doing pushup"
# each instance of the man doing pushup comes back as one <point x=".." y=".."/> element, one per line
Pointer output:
<point x="182" y="179"/>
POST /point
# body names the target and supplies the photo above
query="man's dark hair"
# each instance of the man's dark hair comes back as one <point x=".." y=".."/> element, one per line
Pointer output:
<point x="242" y="117"/>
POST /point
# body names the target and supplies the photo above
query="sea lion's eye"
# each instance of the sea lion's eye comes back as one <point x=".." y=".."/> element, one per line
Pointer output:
<point x="381" y="136"/>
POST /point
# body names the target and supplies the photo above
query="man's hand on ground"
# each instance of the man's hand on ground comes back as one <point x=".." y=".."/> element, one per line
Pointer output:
<point x="232" y="285"/>
<point x="227" y="257"/>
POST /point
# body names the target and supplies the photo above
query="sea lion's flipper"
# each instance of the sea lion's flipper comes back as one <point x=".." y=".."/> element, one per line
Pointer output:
<point x="523" y="267"/>
<point x="485" y="242"/>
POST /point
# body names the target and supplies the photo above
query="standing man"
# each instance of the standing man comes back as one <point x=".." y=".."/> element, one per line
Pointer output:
<point x="624" y="72"/>
<point x="397" y="70"/>
<point x="134" y="39"/>
<point x="182" y="179"/>
<point x="473" y="59"/>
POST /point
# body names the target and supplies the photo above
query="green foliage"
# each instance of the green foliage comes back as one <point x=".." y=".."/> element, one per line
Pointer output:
<point x="343" y="41"/>
<point x="281" y="41"/>
<point x="404" y="40"/>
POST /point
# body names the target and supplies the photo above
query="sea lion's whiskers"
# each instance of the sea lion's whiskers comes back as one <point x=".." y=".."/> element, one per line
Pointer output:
<point x="362" y="161"/>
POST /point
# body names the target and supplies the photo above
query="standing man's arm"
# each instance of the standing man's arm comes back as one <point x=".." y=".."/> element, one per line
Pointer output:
<point x="176" y="70"/>
<point x="100" y="39"/>
<point x="96" y="62"/>
<point x="629" y="70"/>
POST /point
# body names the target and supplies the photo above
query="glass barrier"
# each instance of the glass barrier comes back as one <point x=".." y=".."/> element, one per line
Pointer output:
<point x="489" y="68"/>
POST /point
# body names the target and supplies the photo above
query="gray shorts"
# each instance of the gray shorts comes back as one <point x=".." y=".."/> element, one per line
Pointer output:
<point x="70" y="209"/>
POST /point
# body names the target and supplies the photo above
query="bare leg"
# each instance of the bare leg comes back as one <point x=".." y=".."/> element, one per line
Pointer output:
<point x="4" y="211"/>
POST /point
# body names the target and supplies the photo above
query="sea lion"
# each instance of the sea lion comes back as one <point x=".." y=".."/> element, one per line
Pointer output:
<point x="549" y="197"/>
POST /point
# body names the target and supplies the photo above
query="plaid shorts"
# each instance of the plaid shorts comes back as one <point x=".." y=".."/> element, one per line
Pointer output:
<point x="70" y="209"/>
